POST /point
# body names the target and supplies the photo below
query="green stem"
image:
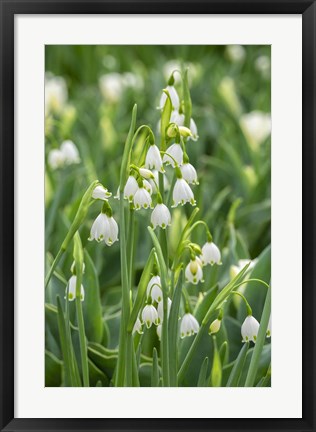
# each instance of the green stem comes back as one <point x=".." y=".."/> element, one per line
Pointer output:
<point x="129" y="355"/>
<point x="254" y="363"/>
<point x="53" y="266"/>
<point x="125" y="299"/>
<point x="82" y="340"/>
<point x="163" y="233"/>
<point x="173" y="328"/>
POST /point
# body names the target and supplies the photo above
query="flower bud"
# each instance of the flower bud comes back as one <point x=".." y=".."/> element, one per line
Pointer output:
<point x="215" y="326"/>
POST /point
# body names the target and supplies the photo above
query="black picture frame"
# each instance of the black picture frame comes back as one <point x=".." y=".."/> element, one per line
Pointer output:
<point x="8" y="9"/>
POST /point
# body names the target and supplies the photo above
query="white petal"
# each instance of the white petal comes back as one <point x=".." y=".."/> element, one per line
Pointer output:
<point x="175" y="150"/>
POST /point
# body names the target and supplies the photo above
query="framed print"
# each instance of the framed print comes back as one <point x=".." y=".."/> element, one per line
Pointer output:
<point x="157" y="215"/>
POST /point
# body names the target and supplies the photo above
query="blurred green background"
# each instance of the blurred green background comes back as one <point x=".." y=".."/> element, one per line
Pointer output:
<point x="96" y="89"/>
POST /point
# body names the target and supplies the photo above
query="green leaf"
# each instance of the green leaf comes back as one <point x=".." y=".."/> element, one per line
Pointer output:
<point x="216" y="372"/>
<point x="238" y="366"/>
<point x="96" y="377"/>
<point x="202" y="381"/>
<point x="53" y="370"/>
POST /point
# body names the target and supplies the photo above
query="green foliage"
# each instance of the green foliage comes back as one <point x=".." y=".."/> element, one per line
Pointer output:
<point x="233" y="197"/>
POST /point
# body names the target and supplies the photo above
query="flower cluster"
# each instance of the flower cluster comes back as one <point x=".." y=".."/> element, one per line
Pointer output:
<point x="105" y="227"/>
<point x="152" y="312"/>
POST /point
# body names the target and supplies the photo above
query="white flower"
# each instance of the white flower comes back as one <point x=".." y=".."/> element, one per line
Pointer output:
<point x="263" y="65"/>
<point x="268" y="329"/>
<point x="131" y="188"/>
<point x="177" y="118"/>
<point x="72" y="289"/>
<point x="158" y="330"/>
<point x="137" y="327"/>
<point x="194" y="272"/>
<point x="236" y="53"/>
<point x="194" y="131"/>
<point x="210" y="254"/>
<point x="165" y="182"/>
<point x="249" y="329"/>
<point x="56" y="159"/>
<point x="149" y="315"/>
<point x="189" y="325"/>
<point x="111" y="86"/>
<point x="160" y="309"/>
<point x="132" y="80"/>
<point x="176" y="152"/>
<point x="55" y="93"/>
<point x="169" y="68"/>
<point x="235" y="269"/>
<point x="256" y="126"/>
<point x="148" y="186"/>
<point x="142" y="198"/>
<point x="146" y="173"/>
<point x="153" y="158"/>
<point x="189" y="173"/>
<point x="215" y="326"/>
<point x="70" y="152"/>
<point x="154" y="289"/>
<point x="161" y="216"/>
<point x="101" y="193"/>
<point x="173" y="96"/>
<point x="182" y="193"/>
<point x="104" y="228"/>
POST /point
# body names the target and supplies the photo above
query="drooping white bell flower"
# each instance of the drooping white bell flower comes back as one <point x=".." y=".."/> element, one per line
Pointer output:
<point x="269" y="328"/>
<point x="55" y="159"/>
<point x="177" y="118"/>
<point x="160" y="216"/>
<point x="160" y="309"/>
<point x="56" y="94"/>
<point x="263" y="65"/>
<point x="138" y="326"/>
<point x="256" y="126"/>
<point x="70" y="152"/>
<point x="182" y="193"/>
<point x="194" y="272"/>
<point x="235" y="269"/>
<point x="142" y="199"/>
<point x="249" y="329"/>
<point x="173" y="96"/>
<point x="154" y="289"/>
<point x="210" y="254"/>
<point x="100" y="192"/>
<point x="150" y="315"/>
<point x="146" y="173"/>
<point x="236" y="53"/>
<point x="175" y="150"/>
<point x="159" y="330"/>
<point x="104" y="228"/>
<point x="189" y="325"/>
<point x="148" y="186"/>
<point x="130" y="188"/>
<point x="189" y="173"/>
<point x="153" y="158"/>
<point x="194" y="131"/>
<point x="111" y="86"/>
<point x="165" y="182"/>
<point x="72" y="289"/>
